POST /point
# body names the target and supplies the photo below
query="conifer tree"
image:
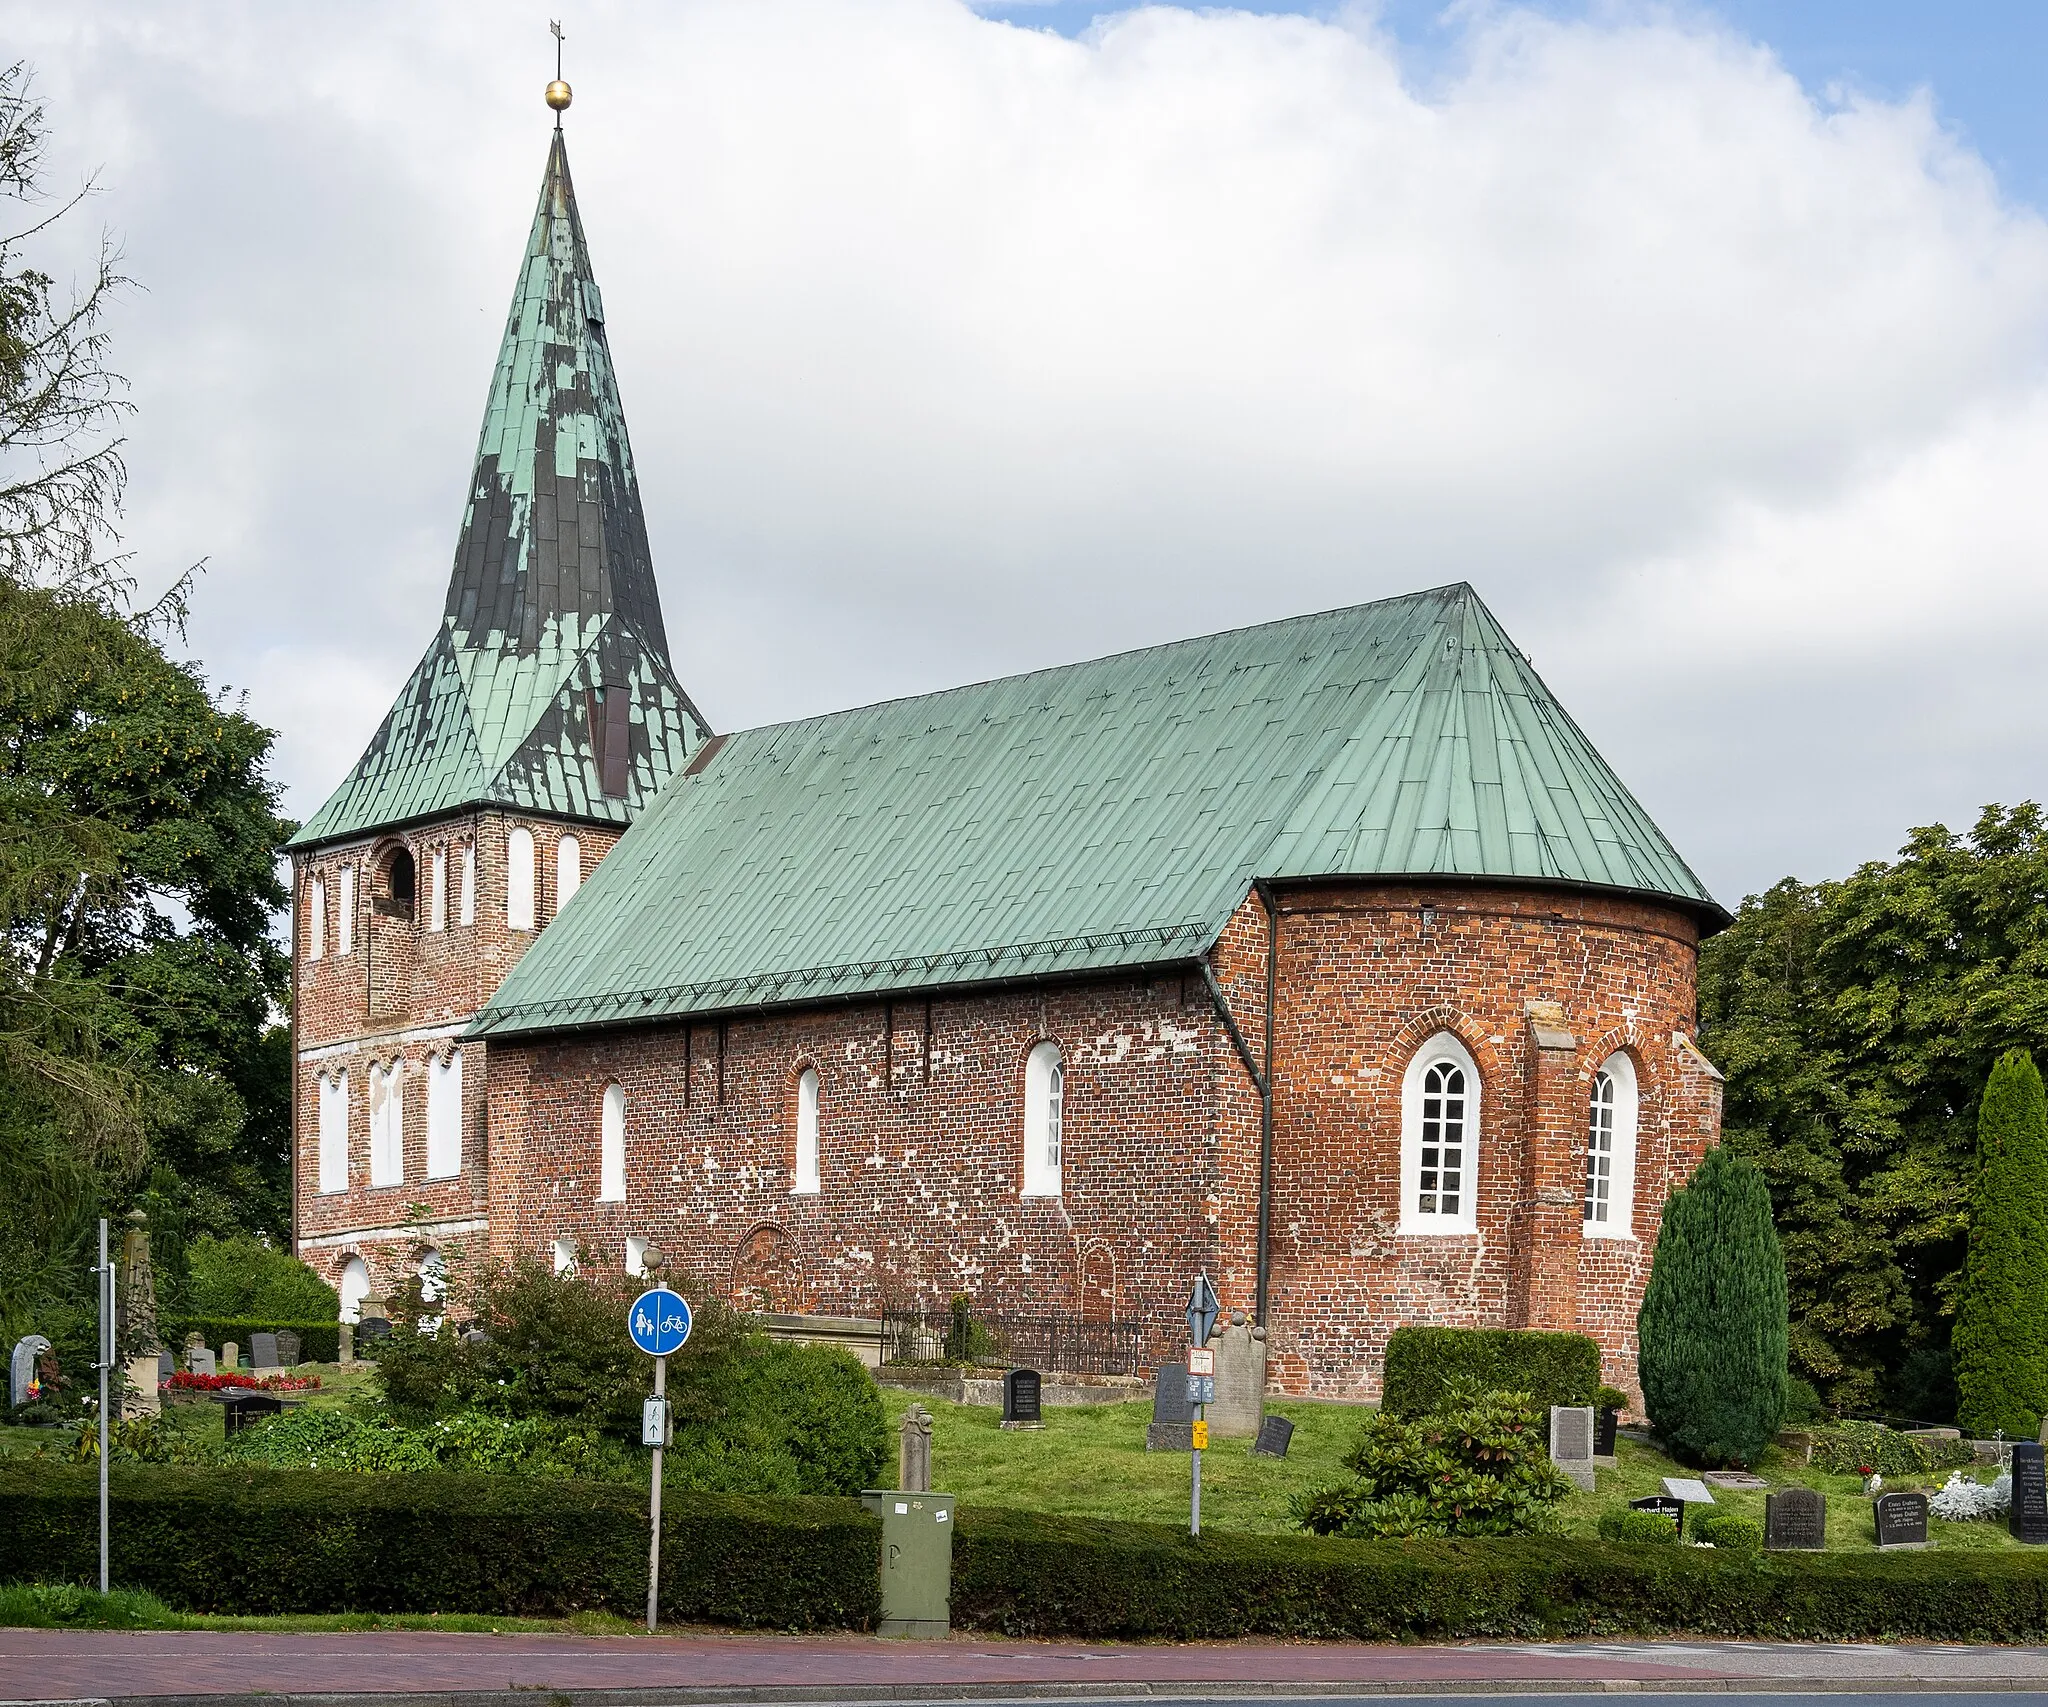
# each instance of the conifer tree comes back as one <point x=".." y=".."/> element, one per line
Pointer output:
<point x="2001" y="1334"/>
<point x="1712" y="1331"/>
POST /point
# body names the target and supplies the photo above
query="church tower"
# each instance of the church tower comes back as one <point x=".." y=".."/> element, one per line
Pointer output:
<point x="543" y="716"/>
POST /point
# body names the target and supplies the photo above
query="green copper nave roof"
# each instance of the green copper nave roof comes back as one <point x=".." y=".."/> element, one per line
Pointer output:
<point x="552" y="604"/>
<point x="1108" y="814"/>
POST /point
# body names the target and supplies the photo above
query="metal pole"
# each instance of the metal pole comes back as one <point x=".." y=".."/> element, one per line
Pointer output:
<point x="654" y="1499"/>
<point x="1195" y="1510"/>
<point x="106" y="1364"/>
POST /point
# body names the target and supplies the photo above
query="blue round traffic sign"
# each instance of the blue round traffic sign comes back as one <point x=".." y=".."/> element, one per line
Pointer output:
<point x="659" y="1322"/>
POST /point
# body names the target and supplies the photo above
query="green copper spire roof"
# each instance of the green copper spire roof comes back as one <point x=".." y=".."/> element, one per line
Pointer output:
<point x="1108" y="814"/>
<point x="547" y="687"/>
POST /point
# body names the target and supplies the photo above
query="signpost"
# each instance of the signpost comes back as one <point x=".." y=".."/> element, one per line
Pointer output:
<point x="659" y="1322"/>
<point x="107" y="1349"/>
<point x="1203" y="1310"/>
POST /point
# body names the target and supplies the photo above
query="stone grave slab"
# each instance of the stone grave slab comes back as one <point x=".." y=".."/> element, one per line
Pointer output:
<point x="199" y="1360"/>
<point x="1664" y="1506"/>
<point x="287" y="1348"/>
<point x="230" y="1357"/>
<point x="2027" y="1518"/>
<point x="1172" y="1425"/>
<point x="263" y="1351"/>
<point x="1901" y="1520"/>
<point x="21" y="1367"/>
<point x="1795" y="1520"/>
<point x="166" y="1366"/>
<point x="1741" y="1480"/>
<point x="1571" y="1443"/>
<point x="1022" y="1389"/>
<point x="1276" y="1434"/>
<point x="1240" y="1404"/>
<point x="1689" y="1489"/>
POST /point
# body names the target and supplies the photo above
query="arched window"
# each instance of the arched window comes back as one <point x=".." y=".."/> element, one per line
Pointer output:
<point x="636" y="1254"/>
<point x="444" y="1117"/>
<point x="465" y="913"/>
<point x="387" y="1126"/>
<point x="1045" y="1095"/>
<point x="568" y="870"/>
<point x="519" y="876"/>
<point x="612" y="1147"/>
<point x="565" y="1255"/>
<point x="316" y="918"/>
<point x="1611" y="1151"/>
<point x="1440" y="1139"/>
<point x="334" y="1132"/>
<point x="806" y="1178"/>
<point x="345" y="912"/>
<point x="354" y="1287"/>
<point x="397" y="885"/>
<point x="437" y="890"/>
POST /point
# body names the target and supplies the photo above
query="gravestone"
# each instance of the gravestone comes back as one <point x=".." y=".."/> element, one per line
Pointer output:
<point x="1571" y="1443"/>
<point x="345" y="1343"/>
<point x="1172" y="1426"/>
<point x="22" y="1384"/>
<point x="166" y="1367"/>
<point x="230" y="1357"/>
<point x="287" y="1348"/>
<point x="1664" y="1506"/>
<point x="1901" y="1520"/>
<point x="2027" y="1518"/>
<point x="914" y="1452"/>
<point x="1240" y="1380"/>
<point x="199" y="1360"/>
<point x="263" y="1351"/>
<point x="244" y="1407"/>
<point x="1689" y="1489"/>
<point x="1021" y="1399"/>
<point x="1740" y="1480"/>
<point x="1276" y="1434"/>
<point x="1795" y="1519"/>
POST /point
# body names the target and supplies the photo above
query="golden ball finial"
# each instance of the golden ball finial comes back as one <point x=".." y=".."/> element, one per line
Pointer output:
<point x="558" y="95"/>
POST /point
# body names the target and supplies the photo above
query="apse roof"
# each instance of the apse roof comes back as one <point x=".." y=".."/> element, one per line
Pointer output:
<point x="552" y="604"/>
<point x="1102" y="815"/>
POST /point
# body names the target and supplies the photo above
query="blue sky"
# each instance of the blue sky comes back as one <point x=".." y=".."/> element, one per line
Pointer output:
<point x="1984" y="60"/>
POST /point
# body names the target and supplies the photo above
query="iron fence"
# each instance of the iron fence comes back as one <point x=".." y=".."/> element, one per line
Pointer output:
<point x="1063" y="1343"/>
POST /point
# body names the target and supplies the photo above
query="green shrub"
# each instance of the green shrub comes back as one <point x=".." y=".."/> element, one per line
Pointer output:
<point x="1423" y="1364"/>
<point x="1730" y="1532"/>
<point x="319" y="1341"/>
<point x="70" y="1606"/>
<point x="241" y="1276"/>
<point x="249" y="1540"/>
<point x="308" y="1439"/>
<point x="1479" y="1469"/>
<point x="768" y="1417"/>
<point x="2000" y="1343"/>
<point x="1851" y="1448"/>
<point x="1802" y="1401"/>
<point x="1712" y="1330"/>
<point x="1610" y="1399"/>
<point x="1645" y="1528"/>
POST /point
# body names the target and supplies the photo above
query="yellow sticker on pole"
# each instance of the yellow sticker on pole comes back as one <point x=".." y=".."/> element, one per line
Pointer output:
<point x="1201" y="1435"/>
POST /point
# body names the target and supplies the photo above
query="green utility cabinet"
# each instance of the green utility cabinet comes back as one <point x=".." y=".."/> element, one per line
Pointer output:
<point x="917" y="1561"/>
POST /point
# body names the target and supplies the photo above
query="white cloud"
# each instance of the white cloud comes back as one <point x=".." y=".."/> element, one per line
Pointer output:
<point x="952" y="347"/>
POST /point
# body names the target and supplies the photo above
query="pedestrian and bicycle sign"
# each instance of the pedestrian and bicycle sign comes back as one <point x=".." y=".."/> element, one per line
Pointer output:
<point x="659" y="1322"/>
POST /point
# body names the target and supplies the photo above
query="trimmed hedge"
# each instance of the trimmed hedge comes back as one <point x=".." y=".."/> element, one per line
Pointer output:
<point x="269" y="1541"/>
<point x="1027" y="1574"/>
<point x="1553" y="1369"/>
<point x="319" y="1342"/>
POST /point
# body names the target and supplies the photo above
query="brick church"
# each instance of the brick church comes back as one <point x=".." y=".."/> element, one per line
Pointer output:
<point x="1326" y="955"/>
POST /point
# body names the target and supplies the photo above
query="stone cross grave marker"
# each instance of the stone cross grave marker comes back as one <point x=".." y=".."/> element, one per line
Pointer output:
<point x="1021" y="1390"/>
<point x="230" y="1357"/>
<point x="287" y="1348"/>
<point x="1240" y="1380"/>
<point x="2027" y="1518"/>
<point x="914" y="1452"/>
<point x="1276" y="1434"/>
<point x="21" y="1367"/>
<point x="1571" y="1443"/>
<point x="1795" y="1519"/>
<point x="1664" y="1506"/>
<point x="1172" y="1425"/>
<point x="199" y="1360"/>
<point x="1901" y="1520"/>
<point x="263" y="1351"/>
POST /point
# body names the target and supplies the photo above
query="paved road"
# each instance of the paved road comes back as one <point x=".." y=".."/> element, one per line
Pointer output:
<point x="208" y="1666"/>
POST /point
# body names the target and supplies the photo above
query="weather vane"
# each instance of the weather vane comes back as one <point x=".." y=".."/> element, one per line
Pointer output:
<point x="558" y="92"/>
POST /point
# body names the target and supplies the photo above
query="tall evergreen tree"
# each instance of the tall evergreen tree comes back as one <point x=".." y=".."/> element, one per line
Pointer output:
<point x="1712" y="1332"/>
<point x="2001" y="1334"/>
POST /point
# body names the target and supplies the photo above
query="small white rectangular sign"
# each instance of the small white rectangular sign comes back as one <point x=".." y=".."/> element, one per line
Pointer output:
<point x="654" y="1422"/>
<point x="1202" y="1360"/>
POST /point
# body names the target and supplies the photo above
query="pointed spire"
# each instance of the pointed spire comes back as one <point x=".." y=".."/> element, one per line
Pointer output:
<point x="552" y="651"/>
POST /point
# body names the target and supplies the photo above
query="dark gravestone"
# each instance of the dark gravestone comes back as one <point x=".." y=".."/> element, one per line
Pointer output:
<point x="1901" y="1520"/>
<point x="287" y="1348"/>
<point x="1664" y="1506"/>
<point x="2027" y="1520"/>
<point x="373" y="1328"/>
<point x="263" y="1351"/>
<point x="1276" y="1434"/>
<point x="1794" y="1520"/>
<point x="1605" y="1423"/>
<point x="1172" y="1427"/>
<point x="1021" y="1399"/>
<point x="244" y="1407"/>
<point x="166" y="1366"/>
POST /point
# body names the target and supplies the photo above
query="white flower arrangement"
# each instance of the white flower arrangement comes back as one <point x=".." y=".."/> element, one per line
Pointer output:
<point x="1961" y="1499"/>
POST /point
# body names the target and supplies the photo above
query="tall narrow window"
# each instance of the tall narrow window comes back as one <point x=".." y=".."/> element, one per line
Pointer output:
<point x="1440" y="1139"/>
<point x="1611" y="1151"/>
<point x="565" y="1255"/>
<point x="387" y="1126"/>
<point x="316" y="918"/>
<point x="806" y="1177"/>
<point x="354" y="1287"/>
<point x="611" y="1169"/>
<point x="568" y="870"/>
<point x="1045" y="1096"/>
<point x="636" y="1254"/>
<point x="465" y="913"/>
<point x="334" y="1132"/>
<point x="345" y="911"/>
<point x="444" y="1117"/>
<point x="437" y="890"/>
<point x="519" y="876"/>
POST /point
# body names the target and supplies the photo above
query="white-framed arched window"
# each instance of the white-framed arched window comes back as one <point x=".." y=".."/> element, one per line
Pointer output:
<point x="354" y="1287"/>
<point x="611" y="1147"/>
<point x="806" y="1177"/>
<point x="316" y="918"/>
<point x="565" y="1255"/>
<point x="1440" y="1139"/>
<point x="568" y="870"/>
<point x="636" y="1254"/>
<point x="334" y="1131"/>
<point x="519" y="879"/>
<point x="1611" y="1150"/>
<point x="387" y="1126"/>
<point x="1045" y="1096"/>
<point x="444" y="1116"/>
